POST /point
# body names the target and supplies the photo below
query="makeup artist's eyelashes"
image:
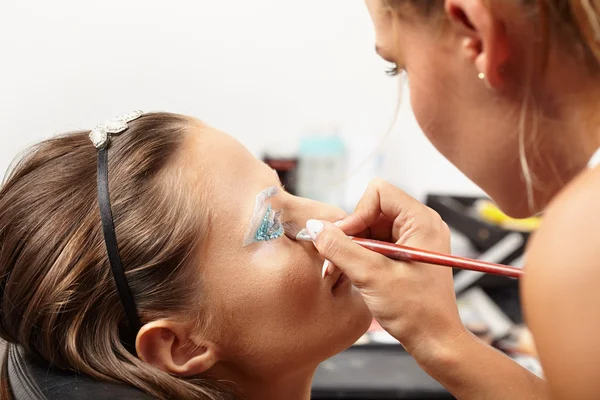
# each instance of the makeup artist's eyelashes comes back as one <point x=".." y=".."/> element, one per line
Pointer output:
<point x="392" y="71"/>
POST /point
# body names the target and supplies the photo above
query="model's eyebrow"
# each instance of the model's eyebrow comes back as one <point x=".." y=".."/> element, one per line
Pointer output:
<point x="263" y="196"/>
<point x="277" y="176"/>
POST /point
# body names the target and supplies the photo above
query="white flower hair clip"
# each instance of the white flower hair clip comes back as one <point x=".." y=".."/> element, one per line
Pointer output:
<point x="100" y="135"/>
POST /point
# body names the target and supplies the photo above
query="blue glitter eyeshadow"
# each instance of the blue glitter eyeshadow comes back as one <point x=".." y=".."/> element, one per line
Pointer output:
<point x="270" y="228"/>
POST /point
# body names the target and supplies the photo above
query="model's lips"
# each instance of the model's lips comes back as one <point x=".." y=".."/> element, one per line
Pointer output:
<point x="334" y="276"/>
<point x="341" y="279"/>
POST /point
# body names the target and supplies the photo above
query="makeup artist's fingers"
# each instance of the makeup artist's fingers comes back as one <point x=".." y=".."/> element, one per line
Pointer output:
<point x="381" y="199"/>
<point x="385" y="209"/>
<point x="362" y="266"/>
<point x="414" y="302"/>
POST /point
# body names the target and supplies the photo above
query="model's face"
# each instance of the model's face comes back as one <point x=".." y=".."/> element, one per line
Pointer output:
<point x="270" y="307"/>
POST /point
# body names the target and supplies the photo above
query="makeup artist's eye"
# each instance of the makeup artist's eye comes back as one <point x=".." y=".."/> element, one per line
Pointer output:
<point x="270" y="227"/>
<point x="392" y="71"/>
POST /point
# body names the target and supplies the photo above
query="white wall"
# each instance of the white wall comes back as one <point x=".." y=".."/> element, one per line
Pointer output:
<point x="260" y="70"/>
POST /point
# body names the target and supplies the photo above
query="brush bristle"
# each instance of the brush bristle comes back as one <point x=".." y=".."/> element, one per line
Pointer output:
<point x="291" y="229"/>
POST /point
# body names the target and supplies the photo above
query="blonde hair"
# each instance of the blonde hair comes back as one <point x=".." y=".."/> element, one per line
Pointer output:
<point x="582" y="16"/>
<point x="579" y="17"/>
<point x="587" y="15"/>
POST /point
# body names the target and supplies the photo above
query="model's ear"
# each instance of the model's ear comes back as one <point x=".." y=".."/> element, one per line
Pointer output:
<point x="484" y="38"/>
<point x="168" y="346"/>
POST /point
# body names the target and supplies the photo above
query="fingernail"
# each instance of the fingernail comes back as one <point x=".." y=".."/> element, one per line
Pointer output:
<point x="314" y="228"/>
<point x="326" y="269"/>
<point x="303" y="236"/>
<point x="338" y="223"/>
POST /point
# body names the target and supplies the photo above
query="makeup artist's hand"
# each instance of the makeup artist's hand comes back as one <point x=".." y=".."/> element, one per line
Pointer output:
<point x="413" y="302"/>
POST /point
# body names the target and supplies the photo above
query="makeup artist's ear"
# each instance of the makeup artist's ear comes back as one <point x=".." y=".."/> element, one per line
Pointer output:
<point x="169" y="346"/>
<point x="484" y="40"/>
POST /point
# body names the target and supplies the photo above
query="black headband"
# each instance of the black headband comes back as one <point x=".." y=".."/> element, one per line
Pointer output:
<point x="100" y="136"/>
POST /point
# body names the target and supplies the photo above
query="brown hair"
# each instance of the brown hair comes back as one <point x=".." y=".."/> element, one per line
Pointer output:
<point x="58" y="298"/>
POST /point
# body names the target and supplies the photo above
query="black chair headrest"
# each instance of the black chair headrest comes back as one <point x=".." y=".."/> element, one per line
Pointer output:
<point x="31" y="379"/>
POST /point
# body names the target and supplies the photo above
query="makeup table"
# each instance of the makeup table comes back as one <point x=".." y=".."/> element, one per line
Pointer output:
<point x="382" y="371"/>
<point x="374" y="373"/>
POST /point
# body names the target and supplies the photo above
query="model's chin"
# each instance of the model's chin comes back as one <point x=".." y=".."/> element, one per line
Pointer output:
<point x="352" y="323"/>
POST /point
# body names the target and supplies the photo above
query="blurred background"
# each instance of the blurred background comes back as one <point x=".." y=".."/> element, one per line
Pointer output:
<point x="265" y="71"/>
<point x="300" y="85"/>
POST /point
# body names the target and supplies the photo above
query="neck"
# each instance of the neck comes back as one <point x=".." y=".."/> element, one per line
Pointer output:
<point x="292" y="387"/>
<point x="271" y="385"/>
<point x="569" y="125"/>
<point x="576" y="98"/>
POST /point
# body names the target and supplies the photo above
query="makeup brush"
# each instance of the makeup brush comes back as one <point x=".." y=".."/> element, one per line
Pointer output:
<point x="405" y="253"/>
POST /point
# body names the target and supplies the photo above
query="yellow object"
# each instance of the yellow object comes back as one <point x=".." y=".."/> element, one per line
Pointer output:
<point x="488" y="212"/>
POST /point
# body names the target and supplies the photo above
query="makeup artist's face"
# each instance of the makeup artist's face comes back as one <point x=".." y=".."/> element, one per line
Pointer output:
<point x="271" y="310"/>
<point x="466" y="121"/>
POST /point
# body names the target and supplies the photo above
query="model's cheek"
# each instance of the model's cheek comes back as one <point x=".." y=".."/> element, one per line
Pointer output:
<point x="289" y="271"/>
<point x="275" y="258"/>
<point x="264" y="254"/>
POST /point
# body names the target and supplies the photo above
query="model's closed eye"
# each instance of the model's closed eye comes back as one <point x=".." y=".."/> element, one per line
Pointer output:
<point x="266" y="223"/>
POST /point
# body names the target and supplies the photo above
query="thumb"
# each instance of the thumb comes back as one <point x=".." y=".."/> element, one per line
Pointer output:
<point x="362" y="266"/>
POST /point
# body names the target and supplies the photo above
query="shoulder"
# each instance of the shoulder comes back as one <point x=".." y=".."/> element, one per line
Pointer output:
<point x="561" y="287"/>
<point x="570" y="231"/>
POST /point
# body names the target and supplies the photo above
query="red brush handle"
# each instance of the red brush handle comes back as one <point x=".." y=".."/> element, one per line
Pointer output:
<point x="404" y="253"/>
